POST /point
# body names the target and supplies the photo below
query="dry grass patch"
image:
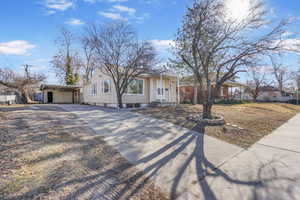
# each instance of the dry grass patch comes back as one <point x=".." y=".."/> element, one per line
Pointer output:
<point x="49" y="154"/>
<point x="13" y="105"/>
<point x="255" y="119"/>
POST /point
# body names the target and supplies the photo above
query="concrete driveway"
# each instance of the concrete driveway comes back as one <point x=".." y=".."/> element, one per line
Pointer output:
<point x="189" y="165"/>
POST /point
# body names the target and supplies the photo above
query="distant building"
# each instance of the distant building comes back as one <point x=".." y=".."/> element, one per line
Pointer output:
<point x="270" y="93"/>
<point x="230" y="90"/>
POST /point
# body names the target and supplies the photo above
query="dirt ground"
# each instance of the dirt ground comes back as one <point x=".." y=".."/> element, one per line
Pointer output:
<point x="46" y="153"/>
<point x="248" y="122"/>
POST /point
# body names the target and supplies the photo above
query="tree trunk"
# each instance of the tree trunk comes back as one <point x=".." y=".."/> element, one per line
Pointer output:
<point x="207" y="106"/>
<point x="195" y="92"/>
<point x="254" y="98"/>
<point x="208" y="102"/>
<point x="281" y="87"/>
<point x="25" y="96"/>
<point x="120" y="101"/>
<point x="195" y="99"/>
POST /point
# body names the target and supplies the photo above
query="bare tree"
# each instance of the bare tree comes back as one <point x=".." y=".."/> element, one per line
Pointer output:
<point x="298" y="79"/>
<point x="89" y="62"/>
<point x="66" y="62"/>
<point x="24" y="83"/>
<point x="216" y="48"/>
<point x="121" y="55"/>
<point x="257" y="81"/>
<point x="281" y="74"/>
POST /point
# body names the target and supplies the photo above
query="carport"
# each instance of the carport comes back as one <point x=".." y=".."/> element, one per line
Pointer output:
<point x="61" y="94"/>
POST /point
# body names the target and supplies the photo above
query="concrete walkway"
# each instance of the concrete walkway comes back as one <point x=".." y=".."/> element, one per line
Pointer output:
<point x="270" y="169"/>
<point x="189" y="165"/>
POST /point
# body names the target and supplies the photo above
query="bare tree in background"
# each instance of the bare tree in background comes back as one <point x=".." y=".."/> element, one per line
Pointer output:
<point x="281" y="74"/>
<point x="257" y="79"/>
<point x="66" y="62"/>
<point x="216" y="48"/>
<point x="89" y="61"/>
<point x="298" y="79"/>
<point x="23" y="83"/>
<point x="122" y="56"/>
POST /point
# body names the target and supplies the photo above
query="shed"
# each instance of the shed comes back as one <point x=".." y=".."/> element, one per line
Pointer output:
<point x="61" y="94"/>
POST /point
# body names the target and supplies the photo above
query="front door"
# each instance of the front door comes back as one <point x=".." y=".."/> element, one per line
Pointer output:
<point x="50" y="97"/>
<point x="160" y="90"/>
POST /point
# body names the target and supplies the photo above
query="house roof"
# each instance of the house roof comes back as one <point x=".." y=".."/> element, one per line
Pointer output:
<point x="157" y="73"/>
<point x="64" y="87"/>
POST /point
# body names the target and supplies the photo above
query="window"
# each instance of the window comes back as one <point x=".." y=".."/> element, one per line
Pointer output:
<point x="136" y="86"/>
<point x="106" y="86"/>
<point x="94" y="89"/>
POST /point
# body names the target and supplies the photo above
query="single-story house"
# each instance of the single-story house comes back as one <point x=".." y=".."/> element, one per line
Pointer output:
<point x="60" y="94"/>
<point x="148" y="88"/>
<point x="8" y="95"/>
<point x="270" y="93"/>
<point x="229" y="90"/>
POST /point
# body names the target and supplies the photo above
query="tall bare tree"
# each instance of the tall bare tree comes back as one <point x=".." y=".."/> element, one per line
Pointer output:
<point x="216" y="47"/>
<point x="23" y="83"/>
<point x="66" y="62"/>
<point x="89" y="60"/>
<point x="122" y="56"/>
<point x="257" y="79"/>
<point x="281" y="74"/>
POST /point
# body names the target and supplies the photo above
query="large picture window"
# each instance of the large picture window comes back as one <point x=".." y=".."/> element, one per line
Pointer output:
<point x="106" y="86"/>
<point x="136" y="86"/>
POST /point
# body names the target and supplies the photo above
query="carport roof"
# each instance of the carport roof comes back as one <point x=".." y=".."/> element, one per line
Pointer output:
<point x="69" y="87"/>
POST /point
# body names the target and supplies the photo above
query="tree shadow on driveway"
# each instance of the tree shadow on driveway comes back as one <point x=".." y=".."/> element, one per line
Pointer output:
<point x="264" y="183"/>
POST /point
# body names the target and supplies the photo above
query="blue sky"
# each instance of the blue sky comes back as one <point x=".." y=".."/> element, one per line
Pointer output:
<point x="29" y="27"/>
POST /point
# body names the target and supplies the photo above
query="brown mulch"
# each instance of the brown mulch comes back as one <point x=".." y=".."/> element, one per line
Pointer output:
<point x="49" y="154"/>
<point x="255" y="119"/>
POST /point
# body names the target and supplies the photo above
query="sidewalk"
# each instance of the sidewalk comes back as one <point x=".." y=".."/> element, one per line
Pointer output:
<point x="270" y="169"/>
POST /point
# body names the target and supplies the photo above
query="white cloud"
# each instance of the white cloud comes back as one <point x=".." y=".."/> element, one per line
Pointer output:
<point x="58" y="5"/>
<point x="111" y="15"/>
<point x="16" y="47"/>
<point x="128" y="10"/>
<point x="162" y="45"/>
<point x="75" y="22"/>
<point x="292" y="44"/>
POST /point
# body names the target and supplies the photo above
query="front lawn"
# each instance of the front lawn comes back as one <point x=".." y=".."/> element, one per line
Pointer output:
<point x="48" y="153"/>
<point x="247" y="123"/>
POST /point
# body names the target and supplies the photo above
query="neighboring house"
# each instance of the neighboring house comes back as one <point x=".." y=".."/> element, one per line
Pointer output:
<point x="8" y="99"/>
<point x="8" y="95"/>
<point x="148" y="88"/>
<point x="60" y="94"/>
<point x="229" y="90"/>
<point x="270" y="93"/>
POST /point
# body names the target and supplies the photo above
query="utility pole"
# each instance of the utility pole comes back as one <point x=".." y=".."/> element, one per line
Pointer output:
<point x="297" y="96"/>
